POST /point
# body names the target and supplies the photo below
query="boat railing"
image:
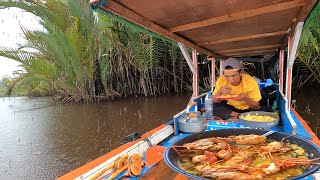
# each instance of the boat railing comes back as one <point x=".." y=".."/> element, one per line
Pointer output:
<point x="293" y="124"/>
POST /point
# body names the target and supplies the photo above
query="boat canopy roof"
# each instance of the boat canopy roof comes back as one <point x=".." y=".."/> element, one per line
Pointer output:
<point x="224" y="28"/>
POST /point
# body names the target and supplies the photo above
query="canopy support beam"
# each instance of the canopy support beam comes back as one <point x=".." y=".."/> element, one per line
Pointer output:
<point x="281" y="61"/>
<point x="293" y="43"/>
<point x="213" y="72"/>
<point x="193" y="65"/>
<point x="186" y="56"/>
<point x="195" y="74"/>
<point x="221" y="71"/>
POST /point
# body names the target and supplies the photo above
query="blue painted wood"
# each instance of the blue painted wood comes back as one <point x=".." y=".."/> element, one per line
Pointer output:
<point x="301" y="131"/>
<point x="283" y="117"/>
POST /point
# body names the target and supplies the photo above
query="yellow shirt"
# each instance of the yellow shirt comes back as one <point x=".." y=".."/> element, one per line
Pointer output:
<point x="248" y="85"/>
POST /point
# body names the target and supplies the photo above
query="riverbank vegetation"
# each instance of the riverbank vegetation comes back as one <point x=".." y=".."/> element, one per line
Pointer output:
<point x="307" y="64"/>
<point x="82" y="55"/>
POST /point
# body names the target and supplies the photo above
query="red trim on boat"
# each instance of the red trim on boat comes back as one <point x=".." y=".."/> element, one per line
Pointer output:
<point x="315" y="139"/>
<point x="85" y="168"/>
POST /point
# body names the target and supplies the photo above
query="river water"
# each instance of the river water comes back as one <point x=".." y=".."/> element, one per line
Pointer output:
<point x="43" y="139"/>
<point x="307" y="105"/>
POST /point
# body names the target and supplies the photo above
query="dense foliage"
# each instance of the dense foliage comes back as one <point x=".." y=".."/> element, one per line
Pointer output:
<point x="307" y="65"/>
<point x="82" y="55"/>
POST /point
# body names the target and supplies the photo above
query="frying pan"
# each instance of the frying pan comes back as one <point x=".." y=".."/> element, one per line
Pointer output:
<point x="171" y="155"/>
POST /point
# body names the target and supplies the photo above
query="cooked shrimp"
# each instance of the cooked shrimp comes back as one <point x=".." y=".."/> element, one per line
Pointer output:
<point x="199" y="158"/>
<point x="200" y="144"/>
<point x="235" y="160"/>
<point x="208" y="157"/>
<point x="220" y="145"/>
<point x="271" y="169"/>
<point x="291" y="162"/>
<point x="250" y="139"/>
<point x="275" y="146"/>
<point x="224" y="154"/>
<point x="248" y="170"/>
<point x="205" y="143"/>
<point x="221" y="175"/>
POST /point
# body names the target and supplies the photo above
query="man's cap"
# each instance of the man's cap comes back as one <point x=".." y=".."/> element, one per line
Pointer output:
<point x="233" y="62"/>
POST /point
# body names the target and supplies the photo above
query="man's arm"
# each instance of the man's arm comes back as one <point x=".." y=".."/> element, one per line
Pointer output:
<point x="255" y="105"/>
<point x="215" y="99"/>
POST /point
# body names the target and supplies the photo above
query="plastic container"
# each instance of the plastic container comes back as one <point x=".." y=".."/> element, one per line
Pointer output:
<point x="269" y="82"/>
<point x="209" y="106"/>
<point x="265" y="83"/>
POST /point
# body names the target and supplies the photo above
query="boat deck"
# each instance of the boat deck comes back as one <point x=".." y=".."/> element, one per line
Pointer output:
<point x="159" y="170"/>
<point x="156" y="168"/>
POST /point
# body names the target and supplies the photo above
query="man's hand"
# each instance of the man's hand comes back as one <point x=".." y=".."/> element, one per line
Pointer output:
<point x="224" y="90"/>
<point x="242" y="97"/>
<point x="252" y="104"/>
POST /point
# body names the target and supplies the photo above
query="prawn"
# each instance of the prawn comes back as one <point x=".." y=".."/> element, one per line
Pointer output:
<point x="207" y="157"/>
<point x="291" y="162"/>
<point x="199" y="146"/>
<point x="275" y="146"/>
<point x="226" y="173"/>
<point x="250" y="139"/>
<point x="204" y="144"/>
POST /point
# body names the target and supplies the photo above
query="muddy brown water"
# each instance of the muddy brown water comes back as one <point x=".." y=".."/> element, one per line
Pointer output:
<point x="43" y="139"/>
<point x="308" y="106"/>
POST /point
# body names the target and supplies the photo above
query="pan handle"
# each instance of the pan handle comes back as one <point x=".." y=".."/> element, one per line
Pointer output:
<point x="268" y="133"/>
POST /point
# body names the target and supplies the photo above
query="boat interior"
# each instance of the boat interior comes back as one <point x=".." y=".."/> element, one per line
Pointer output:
<point x="251" y="30"/>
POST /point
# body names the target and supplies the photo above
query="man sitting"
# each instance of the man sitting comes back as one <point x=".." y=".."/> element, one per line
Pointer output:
<point x="241" y="86"/>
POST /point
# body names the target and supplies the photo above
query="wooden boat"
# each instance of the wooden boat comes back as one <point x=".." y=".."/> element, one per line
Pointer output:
<point x="230" y="28"/>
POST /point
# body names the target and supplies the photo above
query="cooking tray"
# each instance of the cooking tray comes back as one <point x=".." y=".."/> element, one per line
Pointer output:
<point x="256" y="124"/>
<point x="170" y="155"/>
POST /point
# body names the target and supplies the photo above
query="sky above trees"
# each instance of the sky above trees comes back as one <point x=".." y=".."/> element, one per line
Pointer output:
<point x="11" y="21"/>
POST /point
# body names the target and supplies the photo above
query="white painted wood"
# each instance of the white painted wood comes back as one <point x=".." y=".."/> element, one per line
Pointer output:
<point x="186" y="56"/>
<point x="288" y="86"/>
<point x="296" y="39"/>
<point x="292" y="51"/>
<point x="281" y="63"/>
<point x="292" y="122"/>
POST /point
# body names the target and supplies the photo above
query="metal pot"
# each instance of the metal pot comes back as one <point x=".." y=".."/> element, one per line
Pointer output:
<point x="192" y="124"/>
<point x="171" y="155"/>
<point x="255" y="124"/>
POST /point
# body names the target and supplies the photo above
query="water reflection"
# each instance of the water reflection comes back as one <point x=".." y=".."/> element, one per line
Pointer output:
<point x="307" y="105"/>
<point x="43" y="139"/>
